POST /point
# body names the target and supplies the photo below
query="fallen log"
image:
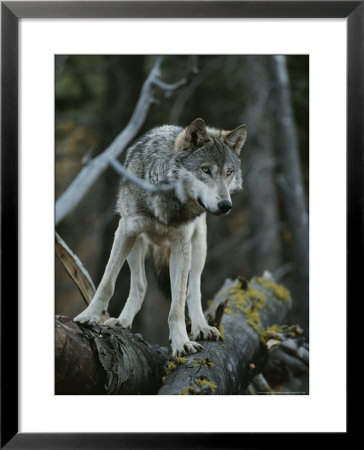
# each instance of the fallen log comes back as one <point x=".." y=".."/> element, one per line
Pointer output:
<point x="92" y="359"/>
<point x="244" y="313"/>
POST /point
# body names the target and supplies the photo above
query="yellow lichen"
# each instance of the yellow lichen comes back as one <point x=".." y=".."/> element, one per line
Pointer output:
<point x="164" y="379"/>
<point x="253" y="318"/>
<point x="207" y="363"/>
<point x="249" y="302"/>
<point x="181" y="360"/>
<point x="171" y="366"/>
<point x="236" y="289"/>
<point x="174" y="363"/>
<point x="267" y="334"/>
<point x="278" y="289"/>
<point x="258" y="296"/>
<point x="203" y="382"/>
<point x="221" y="329"/>
<point x="188" y="391"/>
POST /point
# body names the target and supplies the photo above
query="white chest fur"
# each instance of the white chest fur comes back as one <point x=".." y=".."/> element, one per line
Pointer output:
<point x="167" y="236"/>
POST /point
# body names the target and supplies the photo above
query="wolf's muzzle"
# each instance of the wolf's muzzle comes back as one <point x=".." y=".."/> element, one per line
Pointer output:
<point x="224" y="206"/>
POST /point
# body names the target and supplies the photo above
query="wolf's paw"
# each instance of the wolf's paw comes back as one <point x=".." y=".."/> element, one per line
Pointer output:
<point x="117" y="322"/>
<point x="188" y="348"/>
<point x="206" y="332"/>
<point x="90" y="315"/>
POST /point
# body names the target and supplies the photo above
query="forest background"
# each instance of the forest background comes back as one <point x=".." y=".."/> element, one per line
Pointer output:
<point x="267" y="228"/>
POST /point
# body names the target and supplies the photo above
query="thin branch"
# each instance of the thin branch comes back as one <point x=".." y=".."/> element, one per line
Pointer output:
<point x="75" y="269"/>
<point x="94" y="169"/>
<point x="170" y="87"/>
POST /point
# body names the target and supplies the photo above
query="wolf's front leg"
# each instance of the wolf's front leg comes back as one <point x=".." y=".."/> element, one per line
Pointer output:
<point x="200" y="329"/>
<point x="122" y="245"/>
<point x="179" y="266"/>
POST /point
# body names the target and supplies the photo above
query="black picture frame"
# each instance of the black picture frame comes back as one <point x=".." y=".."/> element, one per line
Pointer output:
<point x="11" y="12"/>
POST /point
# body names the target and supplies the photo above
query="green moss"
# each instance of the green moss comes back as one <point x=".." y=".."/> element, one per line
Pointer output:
<point x="204" y="382"/>
<point x="164" y="379"/>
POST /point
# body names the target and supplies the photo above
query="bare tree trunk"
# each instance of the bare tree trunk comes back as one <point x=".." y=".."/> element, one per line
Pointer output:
<point x="228" y="366"/>
<point x="266" y="252"/>
<point x="290" y="180"/>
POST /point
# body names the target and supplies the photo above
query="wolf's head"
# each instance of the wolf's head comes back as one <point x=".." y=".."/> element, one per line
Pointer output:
<point x="211" y="158"/>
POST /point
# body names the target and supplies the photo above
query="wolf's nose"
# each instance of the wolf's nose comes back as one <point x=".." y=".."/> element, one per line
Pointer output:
<point x="224" y="206"/>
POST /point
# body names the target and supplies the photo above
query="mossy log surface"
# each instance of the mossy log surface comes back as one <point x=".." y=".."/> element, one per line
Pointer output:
<point x="229" y="365"/>
<point x="99" y="360"/>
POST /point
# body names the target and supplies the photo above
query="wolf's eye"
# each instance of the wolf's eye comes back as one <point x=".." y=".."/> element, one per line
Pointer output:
<point x="206" y="169"/>
<point x="229" y="172"/>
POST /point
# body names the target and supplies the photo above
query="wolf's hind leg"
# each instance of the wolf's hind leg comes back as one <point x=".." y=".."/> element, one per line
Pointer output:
<point x="138" y="286"/>
<point x="199" y="326"/>
<point x="122" y="245"/>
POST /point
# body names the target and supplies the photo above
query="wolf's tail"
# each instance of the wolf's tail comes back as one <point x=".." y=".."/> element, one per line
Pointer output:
<point x="161" y="266"/>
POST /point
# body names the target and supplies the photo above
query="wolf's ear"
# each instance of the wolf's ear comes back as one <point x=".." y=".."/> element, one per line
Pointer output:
<point x="235" y="139"/>
<point x="196" y="133"/>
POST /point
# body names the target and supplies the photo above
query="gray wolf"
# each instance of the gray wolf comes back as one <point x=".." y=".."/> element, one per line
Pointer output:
<point x="172" y="222"/>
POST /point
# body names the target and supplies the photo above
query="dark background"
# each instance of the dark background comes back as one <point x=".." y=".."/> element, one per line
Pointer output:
<point x="95" y="97"/>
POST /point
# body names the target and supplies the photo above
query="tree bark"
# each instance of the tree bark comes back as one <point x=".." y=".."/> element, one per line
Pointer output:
<point x="229" y="365"/>
<point x="100" y="360"/>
